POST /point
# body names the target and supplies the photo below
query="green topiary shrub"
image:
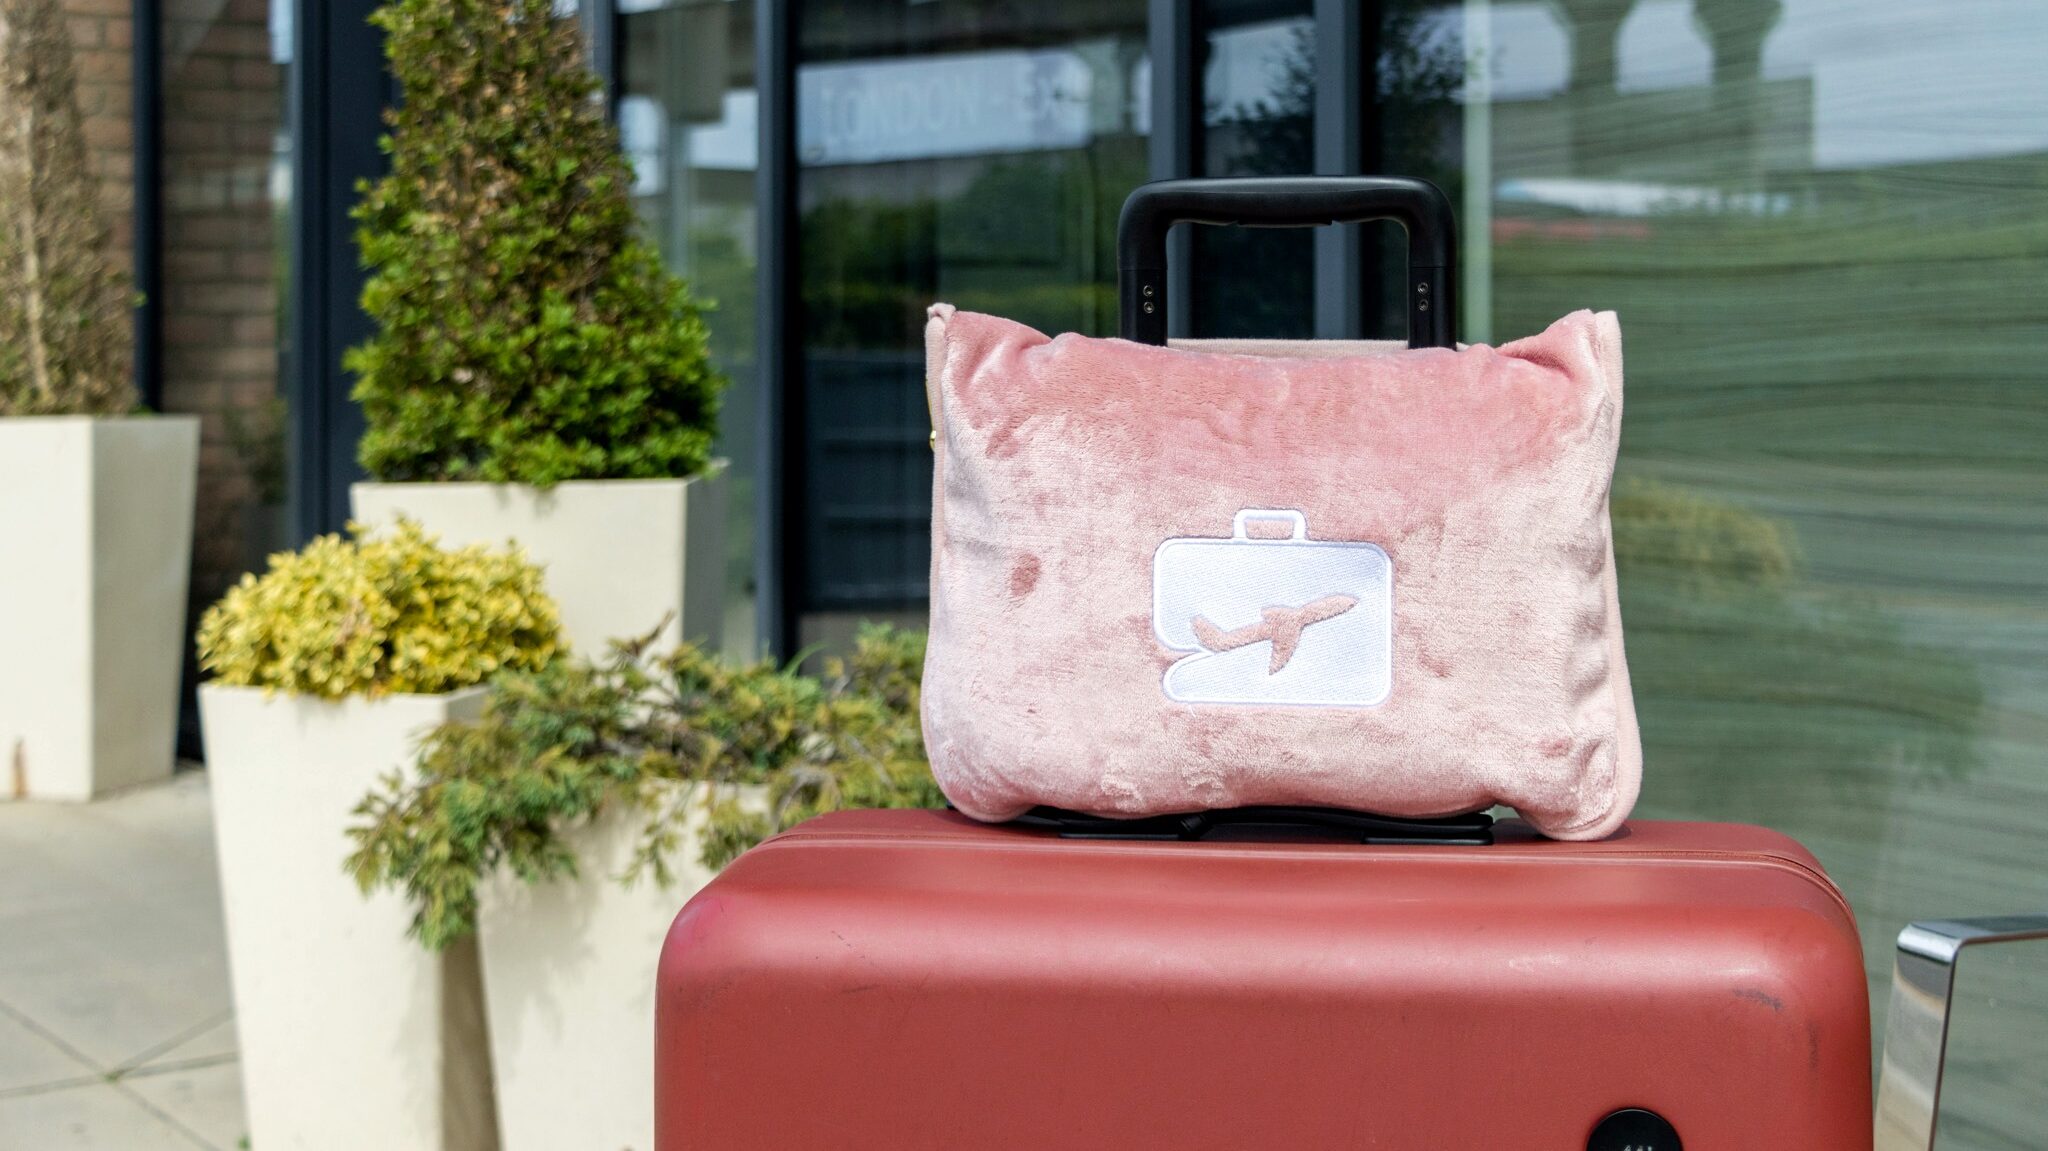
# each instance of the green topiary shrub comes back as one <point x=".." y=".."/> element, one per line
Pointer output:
<point x="557" y="747"/>
<point x="526" y="333"/>
<point x="380" y="613"/>
<point x="64" y="305"/>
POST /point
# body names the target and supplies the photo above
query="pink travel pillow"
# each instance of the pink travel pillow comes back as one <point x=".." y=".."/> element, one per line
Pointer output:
<point x="1245" y="572"/>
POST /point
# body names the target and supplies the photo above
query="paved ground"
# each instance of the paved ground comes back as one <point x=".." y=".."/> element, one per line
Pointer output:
<point x="116" y="1030"/>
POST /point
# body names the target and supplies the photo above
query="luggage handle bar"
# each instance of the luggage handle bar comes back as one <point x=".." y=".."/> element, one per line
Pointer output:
<point x="1916" y="1030"/>
<point x="1289" y="202"/>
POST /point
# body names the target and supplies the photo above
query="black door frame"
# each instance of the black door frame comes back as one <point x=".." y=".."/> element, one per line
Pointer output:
<point x="338" y="89"/>
<point x="779" y="554"/>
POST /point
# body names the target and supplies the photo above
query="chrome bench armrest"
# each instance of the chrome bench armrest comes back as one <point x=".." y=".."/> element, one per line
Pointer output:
<point x="1916" y="1032"/>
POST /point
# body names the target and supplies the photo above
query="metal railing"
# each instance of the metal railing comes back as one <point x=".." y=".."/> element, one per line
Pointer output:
<point x="1916" y="1033"/>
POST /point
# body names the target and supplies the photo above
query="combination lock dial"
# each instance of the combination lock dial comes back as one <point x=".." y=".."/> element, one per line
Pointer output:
<point x="1634" y="1130"/>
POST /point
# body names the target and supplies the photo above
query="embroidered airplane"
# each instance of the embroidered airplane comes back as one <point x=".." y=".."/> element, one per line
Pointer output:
<point x="1282" y="625"/>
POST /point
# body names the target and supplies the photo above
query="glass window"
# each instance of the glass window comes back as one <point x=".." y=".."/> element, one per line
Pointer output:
<point x="1258" y="119"/>
<point x="1822" y="223"/>
<point x="225" y="186"/>
<point x="974" y="152"/>
<point x="225" y="180"/>
<point x="686" y="114"/>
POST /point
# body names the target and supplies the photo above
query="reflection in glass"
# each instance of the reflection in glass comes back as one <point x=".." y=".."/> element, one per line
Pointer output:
<point x="970" y="152"/>
<point x="687" y="116"/>
<point x="1258" y="119"/>
<point x="1997" y="1058"/>
<point x="225" y="172"/>
<point x="223" y="186"/>
<point x="1822" y="225"/>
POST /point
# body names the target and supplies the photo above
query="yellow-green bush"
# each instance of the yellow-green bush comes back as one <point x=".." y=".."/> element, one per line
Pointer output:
<point x="378" y="613"/>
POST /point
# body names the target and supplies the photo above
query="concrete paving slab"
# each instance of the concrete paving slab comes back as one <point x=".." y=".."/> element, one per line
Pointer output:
<point x="206" y="1098"/>
<point x="27" y="1059"/>
<point x="97" y="1117"/>
<point x="110" y="923"/>
<point x="211" y="1043"/>
<point x="116" y="1028"/>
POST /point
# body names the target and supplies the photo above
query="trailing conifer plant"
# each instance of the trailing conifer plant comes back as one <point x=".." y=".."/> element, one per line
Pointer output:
<point x="64" y="305"/>
<point x="557" y="747"/>
<point x="526" y="332"/>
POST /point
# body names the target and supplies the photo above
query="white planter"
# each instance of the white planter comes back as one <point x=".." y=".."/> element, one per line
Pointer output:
<point x="95" y="554"/>
<point x="619" y="554"/>
<point x="569" y="981"/>
<point x="352" y="1034"/>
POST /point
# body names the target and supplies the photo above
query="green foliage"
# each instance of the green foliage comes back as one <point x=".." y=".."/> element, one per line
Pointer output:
<point x="1042" y="232"/>
<point x="526" y="332"/>
<point x="64" y="330"/>
<point x="390" y="612"/>
<point x="551" y="747"/>
<point x="865" y="749"/>
<point x="558" y="747"/>
<point x="1756" y="694"/>
<point x="1703" y="547"/>
<point x="257" y="435"/>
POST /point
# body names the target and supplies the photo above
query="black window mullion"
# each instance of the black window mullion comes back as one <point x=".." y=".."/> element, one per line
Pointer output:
<point x="1341" y="109"/>
<point x="601" y="38"/>
<point x="779" y="552"/>
<point x="339" y="88"/>
<point x="146" y="111"/>
<point x="1173" y="149"/>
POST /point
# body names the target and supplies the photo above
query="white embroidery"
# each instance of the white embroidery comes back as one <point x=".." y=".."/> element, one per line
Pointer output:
<point x="1275" y="621"/>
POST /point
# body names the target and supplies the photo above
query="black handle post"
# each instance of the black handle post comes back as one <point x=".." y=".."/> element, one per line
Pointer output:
<point x="1290" y="202"/>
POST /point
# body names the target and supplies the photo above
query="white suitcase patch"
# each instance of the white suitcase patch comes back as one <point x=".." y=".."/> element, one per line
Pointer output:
<point x="1275" y="621"/>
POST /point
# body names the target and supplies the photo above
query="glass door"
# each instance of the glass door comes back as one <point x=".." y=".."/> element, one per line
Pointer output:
<point x="1824" y="225"/>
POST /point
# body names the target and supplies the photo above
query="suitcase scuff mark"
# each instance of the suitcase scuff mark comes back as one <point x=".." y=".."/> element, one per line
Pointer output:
<point x="1758" y="995"/>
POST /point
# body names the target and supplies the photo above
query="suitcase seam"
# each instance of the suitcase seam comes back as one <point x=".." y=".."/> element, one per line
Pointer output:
<point x="1564" y="854"/>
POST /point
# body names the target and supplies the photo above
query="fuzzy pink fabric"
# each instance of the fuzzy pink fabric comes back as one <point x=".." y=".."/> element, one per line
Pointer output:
<point x="1065" y="463"/>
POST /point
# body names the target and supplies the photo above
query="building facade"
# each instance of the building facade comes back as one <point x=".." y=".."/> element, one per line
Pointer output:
<point x="1822" y="223"/>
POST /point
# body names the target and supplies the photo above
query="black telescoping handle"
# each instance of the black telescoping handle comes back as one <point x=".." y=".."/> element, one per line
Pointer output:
<point x="1290" y="202"/>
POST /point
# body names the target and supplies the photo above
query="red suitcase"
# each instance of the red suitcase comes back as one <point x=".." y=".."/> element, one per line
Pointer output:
<point x="910" y="979"/>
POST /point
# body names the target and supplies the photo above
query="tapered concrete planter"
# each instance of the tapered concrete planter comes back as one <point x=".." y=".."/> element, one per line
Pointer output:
<point x="619" y="554"/>
<point x="95" y="552"/>
<point x="569" y="979"/>
<point x="352" y="1034"/>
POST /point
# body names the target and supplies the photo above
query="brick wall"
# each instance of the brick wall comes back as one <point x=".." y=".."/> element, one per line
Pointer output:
<point x="102" y="35"/>
<point x="222" y="112"/>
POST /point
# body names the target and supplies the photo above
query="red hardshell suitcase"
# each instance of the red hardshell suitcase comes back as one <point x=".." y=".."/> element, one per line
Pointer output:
<point x="907" y="979"/>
